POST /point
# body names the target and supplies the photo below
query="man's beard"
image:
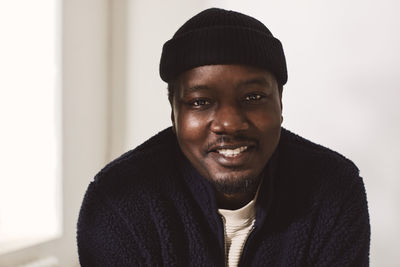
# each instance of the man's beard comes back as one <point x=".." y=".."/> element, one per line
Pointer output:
<point x="235" y="185"/>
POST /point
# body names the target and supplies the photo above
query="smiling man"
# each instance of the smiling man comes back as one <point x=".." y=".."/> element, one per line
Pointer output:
<point x="226" y="185"/>
<point x="227" y="120"/>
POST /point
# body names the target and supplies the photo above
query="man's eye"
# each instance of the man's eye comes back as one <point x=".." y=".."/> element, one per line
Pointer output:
<point x="253" y="97"/>
<point x="200" y="102"/>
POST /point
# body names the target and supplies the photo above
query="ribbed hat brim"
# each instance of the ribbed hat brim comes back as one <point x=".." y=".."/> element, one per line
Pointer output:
<point x="222" y="45"/>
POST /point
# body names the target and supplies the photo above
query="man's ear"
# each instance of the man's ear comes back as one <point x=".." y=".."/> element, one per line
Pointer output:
<point x="281" y="109"/>
<point x="172" y="101"/>
<point x="173" y="120"/>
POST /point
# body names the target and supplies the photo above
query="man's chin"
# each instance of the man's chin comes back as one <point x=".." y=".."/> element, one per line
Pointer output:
<point x="235" y="184"/>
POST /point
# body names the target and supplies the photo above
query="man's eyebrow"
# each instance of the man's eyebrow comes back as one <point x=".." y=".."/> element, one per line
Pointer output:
<point x="195" y="88"/>
<point x="255" y="81"/>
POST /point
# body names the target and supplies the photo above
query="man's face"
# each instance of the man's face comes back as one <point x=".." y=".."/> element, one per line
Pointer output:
<point x="227" y="120"/>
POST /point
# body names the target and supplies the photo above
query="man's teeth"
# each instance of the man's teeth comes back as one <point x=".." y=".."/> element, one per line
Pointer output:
<point x="232" y="152"/>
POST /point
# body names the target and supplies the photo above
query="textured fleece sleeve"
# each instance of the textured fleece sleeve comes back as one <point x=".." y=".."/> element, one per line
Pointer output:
<point x="103" y="237"/>
<point x="344" y="232"/>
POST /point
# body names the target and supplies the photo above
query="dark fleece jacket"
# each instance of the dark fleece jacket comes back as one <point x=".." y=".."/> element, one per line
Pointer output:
<point x="150" y="207"/>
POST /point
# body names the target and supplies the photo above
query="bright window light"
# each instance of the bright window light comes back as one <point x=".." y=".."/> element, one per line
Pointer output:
<point x="29" y="123"/>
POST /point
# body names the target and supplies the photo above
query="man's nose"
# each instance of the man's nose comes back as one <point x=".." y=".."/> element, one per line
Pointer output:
<point x="229" y="119"/>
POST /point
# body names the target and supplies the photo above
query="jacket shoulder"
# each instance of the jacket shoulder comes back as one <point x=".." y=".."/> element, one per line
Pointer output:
<point x="302" y="151"/>
<point x="141" y="165"/>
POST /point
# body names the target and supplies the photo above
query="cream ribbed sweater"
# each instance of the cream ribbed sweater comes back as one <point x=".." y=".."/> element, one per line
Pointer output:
<point x="238" y="225"/>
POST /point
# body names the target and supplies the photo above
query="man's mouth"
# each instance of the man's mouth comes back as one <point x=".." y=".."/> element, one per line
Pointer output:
<point x="231" y="153"/>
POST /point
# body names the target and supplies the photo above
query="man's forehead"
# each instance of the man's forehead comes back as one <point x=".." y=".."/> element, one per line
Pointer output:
<point x="206" y="77"/>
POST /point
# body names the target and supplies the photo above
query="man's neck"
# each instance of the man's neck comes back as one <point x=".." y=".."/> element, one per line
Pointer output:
<point x="234" y="201"/>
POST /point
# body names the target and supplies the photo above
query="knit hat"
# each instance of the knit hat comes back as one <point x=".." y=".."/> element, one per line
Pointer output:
<point x="218" y="36"/>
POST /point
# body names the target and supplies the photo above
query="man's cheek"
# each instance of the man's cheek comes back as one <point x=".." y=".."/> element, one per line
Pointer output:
<point x="191" y="127"/>
<point x="193" y="124"/>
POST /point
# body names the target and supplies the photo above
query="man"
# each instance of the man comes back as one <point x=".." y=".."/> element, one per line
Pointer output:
<point x="225" y="185"/>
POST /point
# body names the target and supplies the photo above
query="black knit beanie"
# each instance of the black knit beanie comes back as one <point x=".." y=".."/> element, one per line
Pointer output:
<point x="217" y="36"/>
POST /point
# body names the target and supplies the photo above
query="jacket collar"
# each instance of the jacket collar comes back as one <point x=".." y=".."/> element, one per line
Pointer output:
<point x="203" y="193"/>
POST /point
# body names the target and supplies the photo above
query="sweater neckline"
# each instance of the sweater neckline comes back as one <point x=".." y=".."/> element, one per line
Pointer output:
<point x="203" y="192"/>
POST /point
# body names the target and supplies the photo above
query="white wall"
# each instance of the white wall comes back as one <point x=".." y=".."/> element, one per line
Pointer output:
<point x="85" y="108"/>
<point x="342" y="91"/>
<point x="84" y="55"/>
